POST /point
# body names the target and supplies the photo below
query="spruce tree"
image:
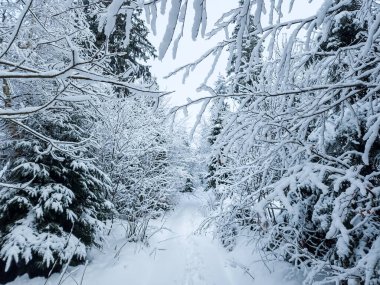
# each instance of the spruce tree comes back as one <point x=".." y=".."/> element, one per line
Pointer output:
<point x="128" y="46"/>
<point x="189" y="185"/>
<point x="218" y="110"/>
<point x="53" y="208"/>
<point x="241" y="81"/>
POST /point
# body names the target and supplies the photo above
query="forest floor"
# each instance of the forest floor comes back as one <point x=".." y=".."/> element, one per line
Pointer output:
<point x="176" y="255"/>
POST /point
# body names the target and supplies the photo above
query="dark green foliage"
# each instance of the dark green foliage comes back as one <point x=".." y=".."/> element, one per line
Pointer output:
<point x="216" y="163"/>
<point x="55" y="208"/>
<point x="127" y="55"/>
<point x="189" y="186"/>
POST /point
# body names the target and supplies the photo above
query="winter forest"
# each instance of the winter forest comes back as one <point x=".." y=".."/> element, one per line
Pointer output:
<point x="268" y="174"/>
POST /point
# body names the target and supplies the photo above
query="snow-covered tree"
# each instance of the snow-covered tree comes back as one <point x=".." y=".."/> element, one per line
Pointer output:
<point x="52" y="202"/>
<point x="128" y="44"/>
<point x="305" y="133"/>
<point x="53" y="194"/>
<point x="140" y="153"/>
<point x="218" y="112"/>
<point x="300" y="149"/>
<point x="49" y="42"/>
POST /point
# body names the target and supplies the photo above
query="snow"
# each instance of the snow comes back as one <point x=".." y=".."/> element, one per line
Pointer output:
<point x="110" y="20"/>
<point x="177" y="254"/>
<point x="199" y="18"/>
<point x="173" y="17"/>
<point x="371" y="136"/>
<point x="128" y="27"/>
<point x="290" y="149"/>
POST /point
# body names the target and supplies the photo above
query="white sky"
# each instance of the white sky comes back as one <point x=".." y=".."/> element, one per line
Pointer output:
<point x="189" y="51"/>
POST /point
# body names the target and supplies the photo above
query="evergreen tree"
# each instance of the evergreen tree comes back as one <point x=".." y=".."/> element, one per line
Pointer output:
<point x="218" y="110"/>
<point x="240" y="72"/>
<point x="53" y="208"/>
<point x="52" y="194"/>
<point x="189" y="185"/>
<point x="127" y="44"/>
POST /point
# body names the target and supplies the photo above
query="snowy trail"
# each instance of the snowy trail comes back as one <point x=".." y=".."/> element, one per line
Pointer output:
<point x="176" y="256"/>
<point x="189" y="259"/>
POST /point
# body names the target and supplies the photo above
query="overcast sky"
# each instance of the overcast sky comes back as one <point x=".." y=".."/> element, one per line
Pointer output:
<point x="189" y="50"/>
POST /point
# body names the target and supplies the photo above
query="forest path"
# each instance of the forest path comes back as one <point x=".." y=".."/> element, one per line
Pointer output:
<point x="180" y="255"/>
<point x="176" y="255"/>
<point x="186" y="258"/>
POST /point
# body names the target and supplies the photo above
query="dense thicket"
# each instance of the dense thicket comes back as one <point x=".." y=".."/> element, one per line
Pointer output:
<point x="61" y="63"/>
<point x="301" y="146"/>
<point x="294" y="163"/>
<point x="146" y="160"/>
<point x="305" y="170"/>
